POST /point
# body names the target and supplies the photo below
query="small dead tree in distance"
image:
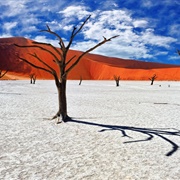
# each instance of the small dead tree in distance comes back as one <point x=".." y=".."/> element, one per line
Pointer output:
<point x="80" y="81"/>
<point x="32" y="78"/>
<point x="64" y="65"/>
<point x="153" y="78"/>
<point x="117" y="79"/>
<point x="2" y="74"/>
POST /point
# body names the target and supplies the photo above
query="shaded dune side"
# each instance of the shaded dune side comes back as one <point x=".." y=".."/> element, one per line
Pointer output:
<point x="91" y="67"/>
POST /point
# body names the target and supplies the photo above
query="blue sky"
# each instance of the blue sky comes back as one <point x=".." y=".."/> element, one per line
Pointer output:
<point x="148" y="30"/>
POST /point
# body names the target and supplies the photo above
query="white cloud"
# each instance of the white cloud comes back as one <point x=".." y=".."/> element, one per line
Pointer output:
<point x="116" y="49"/>
<point x="156" y="40"/>
<point x="106" y="23"/>
<point x="108" y="4"/>
<point x="114" y="16"/>
<point x="9" y="25"/>
<point x="140" y="23"/>
<point x="13" y="8"/>
<point x="72" y="11"/>
<point x="147" y="3"/>
<point x="174" y="29"/>
<point x="29" y="19"/>
<point x="5" y="35"/>
<point x="110" y="23"/>
<point x="174" y="58"/>
<point x="29" y="29"/>
<point x="152" y="3"/>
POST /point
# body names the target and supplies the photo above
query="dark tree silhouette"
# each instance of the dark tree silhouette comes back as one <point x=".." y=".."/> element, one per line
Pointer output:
<point x="80" y="81"/>
<point x="117" y="79"/>
<point x="2" y="74"/>
<point x="153" y="79"/>
<point x="32" y="78"/>
<point x="64" y="65"/>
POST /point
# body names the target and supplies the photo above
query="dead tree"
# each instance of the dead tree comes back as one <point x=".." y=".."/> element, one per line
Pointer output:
<point x="117" y="79"/>
<point x="34" y="79"/>
<point x="80" y="81"/>
<point x="153" y="78"/>
<point x="31" y="78"/>
<point x="2" y="74"/>
<point x="64" y="64"/>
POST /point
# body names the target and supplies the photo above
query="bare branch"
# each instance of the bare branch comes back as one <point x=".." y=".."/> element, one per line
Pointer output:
<point x="61" y="43"/>
<point x="153" y="78"/>
<point x="36" y="46"/>
<point x="116" y="78"/>
<point x="70" y="60"/>
<point x="1" y="75"/>
<point x="32" y="78"/>
<point x="48" y="27"/>
<point x="104" y="38"/>
<point x="40" y="60"/>
<point x="89" y="50"/>
<point x="35" y="66"/>
<point x="48" y="44"/>
<point x="75" y="32"/>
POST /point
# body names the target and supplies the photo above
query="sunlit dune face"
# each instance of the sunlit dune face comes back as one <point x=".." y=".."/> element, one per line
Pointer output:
<point x="91" y="67"/>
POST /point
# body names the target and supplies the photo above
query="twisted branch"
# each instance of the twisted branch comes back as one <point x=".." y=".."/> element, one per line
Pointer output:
<point x="91" y="49"/>
<point x="61" y="43"/>
<point x="36" y="46"/>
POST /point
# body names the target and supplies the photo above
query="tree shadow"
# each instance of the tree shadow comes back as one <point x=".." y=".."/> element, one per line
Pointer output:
<point x="149" y="132"/>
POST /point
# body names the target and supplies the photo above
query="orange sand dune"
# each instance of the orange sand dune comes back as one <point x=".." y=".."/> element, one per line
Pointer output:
<point x="91" y="67"/>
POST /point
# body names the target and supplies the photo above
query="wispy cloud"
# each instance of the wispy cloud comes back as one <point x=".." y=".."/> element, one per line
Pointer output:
<point x="140" y="23"/>
<point x="120" y="22"/>
<point x="156" y="40"/>
<point x="74" y="11"/>
<point x="174" y="29"/>
<point x="9" y="25"/>
<point x="13" y="8"/>
<point x="153" y="3"/>
<point x="140" y="35"/>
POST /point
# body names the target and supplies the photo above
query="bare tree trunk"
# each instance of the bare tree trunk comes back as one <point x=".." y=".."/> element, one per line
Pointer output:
<point x="117" y="79"/>
<point x="34" y="79"/>
<point x="152" y="82"/>
<point x="31" y="81"/>
<point x="62" y="101"/>
<point x="117" y="83"/>
<point x="153" y="78"/>
<point x="80" y="80"/>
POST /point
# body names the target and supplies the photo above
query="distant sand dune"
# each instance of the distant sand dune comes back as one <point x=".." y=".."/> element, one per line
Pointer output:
<point x="91" y="67"/>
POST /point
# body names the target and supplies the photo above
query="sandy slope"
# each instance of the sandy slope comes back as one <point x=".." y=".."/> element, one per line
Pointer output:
<point x="91" y="67"/>
<point x="93" y="146"/>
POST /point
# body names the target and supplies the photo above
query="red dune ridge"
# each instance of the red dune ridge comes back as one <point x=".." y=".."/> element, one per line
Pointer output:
<point x="91" y="67"/>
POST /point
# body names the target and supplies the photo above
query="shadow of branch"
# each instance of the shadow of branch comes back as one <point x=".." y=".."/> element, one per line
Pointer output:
<point x="150" y="132"/>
